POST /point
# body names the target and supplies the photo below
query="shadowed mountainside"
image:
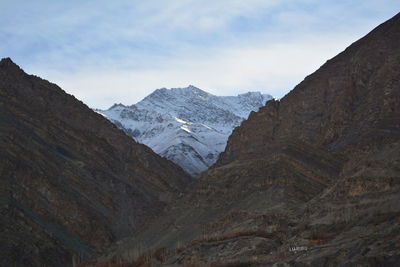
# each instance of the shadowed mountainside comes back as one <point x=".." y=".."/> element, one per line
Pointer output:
<point x="71" y="182"/>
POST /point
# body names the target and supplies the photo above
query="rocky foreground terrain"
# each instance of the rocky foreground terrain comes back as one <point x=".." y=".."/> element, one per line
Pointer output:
<point x="185" y="125"/>
<point x="310" y="180"/>
<point x="71" y="183"/>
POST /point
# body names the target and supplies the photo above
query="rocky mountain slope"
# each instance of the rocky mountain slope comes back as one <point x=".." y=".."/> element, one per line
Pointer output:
<point x="310" y="180"/>
<point x="71" y="182"/>
<point x="185" y="125"/>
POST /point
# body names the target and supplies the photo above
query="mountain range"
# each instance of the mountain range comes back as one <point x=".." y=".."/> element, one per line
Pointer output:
<point x="185" y="125"/>
<point x="312" y="179"/>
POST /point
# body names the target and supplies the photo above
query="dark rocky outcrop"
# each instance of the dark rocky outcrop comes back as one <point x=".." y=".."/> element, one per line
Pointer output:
<point x="312" y="179"/>
<point x="71" y="182"/>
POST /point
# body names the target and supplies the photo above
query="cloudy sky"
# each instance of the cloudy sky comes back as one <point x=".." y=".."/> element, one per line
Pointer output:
<point x="105" y="51"/>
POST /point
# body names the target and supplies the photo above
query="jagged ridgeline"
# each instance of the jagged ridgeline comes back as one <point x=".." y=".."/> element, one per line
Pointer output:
<point x="71" y="182"/>
<point x="310" y="180"/>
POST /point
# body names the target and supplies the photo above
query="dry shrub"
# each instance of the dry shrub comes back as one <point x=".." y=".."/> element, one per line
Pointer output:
<point x="234" y="263"/>
<point x="160" y="254"/>
<point x="143" y="260"/>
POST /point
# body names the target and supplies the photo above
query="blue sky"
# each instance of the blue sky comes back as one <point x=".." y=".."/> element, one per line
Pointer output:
<point x="119" y="51"/>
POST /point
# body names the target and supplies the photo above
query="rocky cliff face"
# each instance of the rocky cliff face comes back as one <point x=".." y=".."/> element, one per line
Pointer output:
<point x="311" y="180"/>
<point x="185" y="125"/>
<point x="71" y="182"/>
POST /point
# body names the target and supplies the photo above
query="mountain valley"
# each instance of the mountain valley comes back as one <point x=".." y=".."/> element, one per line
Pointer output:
<point x="311" y="179"/>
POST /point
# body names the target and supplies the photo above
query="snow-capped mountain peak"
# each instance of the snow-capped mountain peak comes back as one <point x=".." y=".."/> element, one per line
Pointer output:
<point x="186" y="125"/>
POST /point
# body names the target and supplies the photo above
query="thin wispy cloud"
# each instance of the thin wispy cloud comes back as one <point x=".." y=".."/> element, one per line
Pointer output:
<point x="119" y="51"/>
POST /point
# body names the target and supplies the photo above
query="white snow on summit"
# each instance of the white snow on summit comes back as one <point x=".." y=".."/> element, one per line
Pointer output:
<point x="186" y="125"/>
